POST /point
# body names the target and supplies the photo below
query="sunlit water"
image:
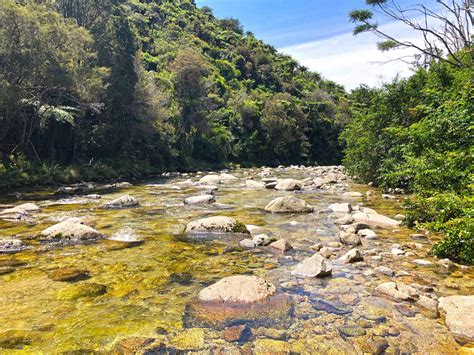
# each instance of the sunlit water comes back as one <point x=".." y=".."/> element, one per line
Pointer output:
<point x="152" y="273"/>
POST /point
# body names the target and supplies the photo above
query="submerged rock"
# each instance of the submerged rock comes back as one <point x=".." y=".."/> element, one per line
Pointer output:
<point x="121" y="202"/>
<point x="315" y="266"/>
<point x="218" y="224"/>
<point x="71" y="229"/>
<point x="459" y="314"/>
<point x="82" y="290"/>
<point x="67" y="274"/>
<point x="288" y="204"/>
<point x="238" y="289"/>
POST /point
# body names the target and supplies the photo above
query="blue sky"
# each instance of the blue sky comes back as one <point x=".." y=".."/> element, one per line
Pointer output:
<point x="319" y="35"/>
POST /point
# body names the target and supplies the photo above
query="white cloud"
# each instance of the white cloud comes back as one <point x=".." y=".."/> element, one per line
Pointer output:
<point x="353" y="60"/>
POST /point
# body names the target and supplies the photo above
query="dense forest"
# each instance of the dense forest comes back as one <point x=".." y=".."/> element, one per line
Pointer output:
<point x="93" y="90"/>
<point x="127" y="88"/>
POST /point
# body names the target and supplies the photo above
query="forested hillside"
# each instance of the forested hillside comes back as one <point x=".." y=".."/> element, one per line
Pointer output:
<point x="126" y="88"/>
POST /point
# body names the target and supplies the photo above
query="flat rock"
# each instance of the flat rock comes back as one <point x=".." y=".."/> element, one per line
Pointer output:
<point x="200" y="200"/>
<point x="252" y="184"/>
<point x="125" y="201"/>
<point x="375" y="219"/>
<point x="458" y="312"/>
<point x="238" y="289"/>
<point x="288" y="185"/>
<point x="315" y="266"/>
<point x="288" y="204"/>
<point x="70" y="229"/>
<point x="397" y="291"/>
<point x="217" y="224"/>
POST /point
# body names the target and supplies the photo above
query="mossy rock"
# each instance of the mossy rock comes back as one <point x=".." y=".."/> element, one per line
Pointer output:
<point x="85" y="290"/>
<point x="189" y="339"/>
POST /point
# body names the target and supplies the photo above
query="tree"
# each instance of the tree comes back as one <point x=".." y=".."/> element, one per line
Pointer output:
<point x="446" y="28"/>
<point x="35" y="75"/>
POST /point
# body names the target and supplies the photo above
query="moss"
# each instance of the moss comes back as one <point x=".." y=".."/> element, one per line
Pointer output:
<point x="240" y="228"/>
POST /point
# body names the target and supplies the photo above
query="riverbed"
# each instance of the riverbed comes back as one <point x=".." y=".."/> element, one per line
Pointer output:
<point x="144" y="282"/>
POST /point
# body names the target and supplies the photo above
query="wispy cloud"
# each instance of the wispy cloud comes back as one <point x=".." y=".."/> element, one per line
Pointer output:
<point x="353" y="60"/>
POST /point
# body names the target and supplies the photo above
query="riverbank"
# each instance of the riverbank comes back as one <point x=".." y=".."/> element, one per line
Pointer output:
<point x="137" y="283"/>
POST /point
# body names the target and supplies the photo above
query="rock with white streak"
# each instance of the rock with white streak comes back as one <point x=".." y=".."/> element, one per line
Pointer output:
<point x="122" y="202"/>
<point x="200" y="200"/>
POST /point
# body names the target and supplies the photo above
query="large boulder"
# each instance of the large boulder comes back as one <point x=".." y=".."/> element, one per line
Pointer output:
<point x="210" y="180"/>
<point x="121" y="202"/>
<point x="315" y="266"/>
<point x="288" y="185"/>
<point x="459" y="314"/>
<point x="71" y="229"/>
<point x="199" y="200"/>
<point x="288" y="204"/>
<point x="217" y="224"/>
<point x="375" y="219"/>
<point x="238" y="289"/>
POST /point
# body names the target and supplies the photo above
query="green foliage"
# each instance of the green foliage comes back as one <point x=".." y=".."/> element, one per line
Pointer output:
<point x="417" y="134"/>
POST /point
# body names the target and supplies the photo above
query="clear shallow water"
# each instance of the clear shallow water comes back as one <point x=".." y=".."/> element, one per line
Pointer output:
<point x="146" y="290"/>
